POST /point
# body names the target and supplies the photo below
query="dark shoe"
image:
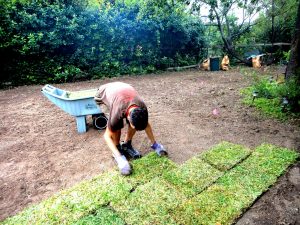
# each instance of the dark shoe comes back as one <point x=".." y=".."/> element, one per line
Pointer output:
<point x="119" y="147"/>
<point x="129" y="151"/>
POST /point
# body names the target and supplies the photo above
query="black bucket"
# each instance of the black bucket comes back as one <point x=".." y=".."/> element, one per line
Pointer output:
<point x="214" y="64"/>
<point x="99" y="121"/>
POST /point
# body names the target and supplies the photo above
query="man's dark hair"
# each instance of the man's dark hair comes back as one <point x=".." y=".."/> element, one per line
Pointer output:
<point x="139" y="118"/>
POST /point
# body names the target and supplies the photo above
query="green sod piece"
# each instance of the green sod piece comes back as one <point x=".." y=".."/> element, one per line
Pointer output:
<point x="148" y="167"/>
<point x="71" y="204"/>
<point x="166" y="199"/>
<point x="213" y="206"/>
<point x="234" y="192"/>
<point x="193" y="176"/>
<point x="225" y="155"/>
<point x="150" y="203"/>
<point x="101" y="216"/>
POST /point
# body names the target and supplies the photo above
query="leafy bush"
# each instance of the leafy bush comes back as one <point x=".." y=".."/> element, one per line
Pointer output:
<point x="279" y="100"/>
<point x="59" y="41"/>
<point x="287" y="55"/>
<point x="266" y="88"/>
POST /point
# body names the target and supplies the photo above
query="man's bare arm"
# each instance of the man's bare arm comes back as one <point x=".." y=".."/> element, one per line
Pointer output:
<point x="150" y="134"/>
<point x="111" y="137"/>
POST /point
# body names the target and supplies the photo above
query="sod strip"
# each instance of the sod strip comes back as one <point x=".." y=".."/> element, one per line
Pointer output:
<point x="86" y="197"/>
<point x="225" y="155"/>
<point x="149" y="167"/>
<point x="193" y="176"/>
<point x="234" y="192"/>
<point x="150" y="203"/>
<point x="101" y="216"/>
<point x="69" y="205"/>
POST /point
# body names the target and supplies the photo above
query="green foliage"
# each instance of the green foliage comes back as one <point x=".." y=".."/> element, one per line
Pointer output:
<point x="270" y="97"/>
<point x="59" y="41"/>
<point x="284" y="13"/>
<point x="287" y="55"/>
<point x="68" y="73"/>
<point x="229" y="26"/>
<point x="265" y="88"/>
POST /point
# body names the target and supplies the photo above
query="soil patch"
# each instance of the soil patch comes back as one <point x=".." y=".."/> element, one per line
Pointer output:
<point x="42" y="153"/>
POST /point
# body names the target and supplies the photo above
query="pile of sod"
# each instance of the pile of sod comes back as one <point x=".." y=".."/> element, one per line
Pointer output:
<point x="214" y="187"/>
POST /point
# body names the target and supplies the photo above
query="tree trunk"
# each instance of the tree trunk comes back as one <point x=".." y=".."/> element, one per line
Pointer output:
<point x="293" y="68"/>
<point x="228" y="41"/>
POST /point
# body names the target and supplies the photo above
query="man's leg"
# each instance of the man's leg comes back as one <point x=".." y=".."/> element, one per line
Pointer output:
<point x="116" y="137"/>
<point x="130" y="133"/>
<point x="127" y="146"/>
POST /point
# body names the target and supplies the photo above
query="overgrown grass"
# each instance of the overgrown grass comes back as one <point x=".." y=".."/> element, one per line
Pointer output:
<point x="159" y="192"/>
<point x="225" y="155"/>
<point x="226" y="200"/>
<point x="269" y="107"/>
<point x="271" y="94"/>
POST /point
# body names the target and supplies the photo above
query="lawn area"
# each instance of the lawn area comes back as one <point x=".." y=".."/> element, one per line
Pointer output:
<point x="214" y="187"/>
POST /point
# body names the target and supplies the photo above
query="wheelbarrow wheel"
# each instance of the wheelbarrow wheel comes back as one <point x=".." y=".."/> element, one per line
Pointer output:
<point x="99" y="121"/>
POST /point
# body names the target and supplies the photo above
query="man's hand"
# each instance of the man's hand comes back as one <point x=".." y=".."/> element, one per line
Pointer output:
<point x="159" y="149"/>
<point x="123" y="164"/>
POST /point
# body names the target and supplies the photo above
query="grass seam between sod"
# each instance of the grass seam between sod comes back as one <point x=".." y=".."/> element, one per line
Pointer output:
<point x="225" y="200"/>
<point x="234" y="153"/>
<point x="225" y="197"/>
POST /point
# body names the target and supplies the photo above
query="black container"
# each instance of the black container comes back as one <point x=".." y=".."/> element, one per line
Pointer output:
<point x="214" y="64"/>
<point x="99" y="121"/>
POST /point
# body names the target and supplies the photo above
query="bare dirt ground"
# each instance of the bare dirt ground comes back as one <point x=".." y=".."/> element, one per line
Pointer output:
<point x="42" y="153"/>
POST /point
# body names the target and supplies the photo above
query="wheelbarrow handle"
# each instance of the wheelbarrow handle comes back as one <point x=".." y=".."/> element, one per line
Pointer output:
<point x="48" y="88"/>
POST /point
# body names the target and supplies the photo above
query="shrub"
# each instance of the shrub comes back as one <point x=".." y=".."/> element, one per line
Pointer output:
<point x="59" y="41"/>
<point x="275" y="99"/>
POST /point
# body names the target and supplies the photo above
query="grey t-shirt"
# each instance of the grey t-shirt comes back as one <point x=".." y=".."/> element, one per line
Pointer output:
<point x="118" y="97"/>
